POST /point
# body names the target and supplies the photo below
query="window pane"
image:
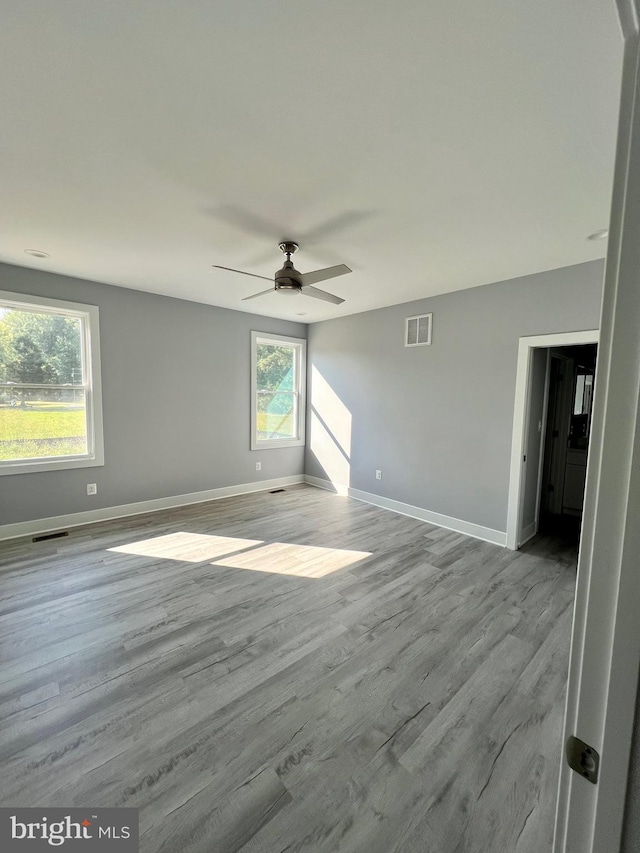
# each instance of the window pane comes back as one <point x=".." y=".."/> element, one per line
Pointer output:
<point x="38" y="423"/>
<point x="277" y="377"/>
<point x="277" y="415"/>
<point x="40" y="348"/>
<point x="275" y="367"/>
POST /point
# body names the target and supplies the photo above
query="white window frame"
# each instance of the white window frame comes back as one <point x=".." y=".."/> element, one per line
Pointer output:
<point x="90" y="325"/>
<point x="300" y="346"/>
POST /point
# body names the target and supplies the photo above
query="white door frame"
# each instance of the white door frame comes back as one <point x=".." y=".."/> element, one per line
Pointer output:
<point x="543" y="441"/>
<point x="520" y="416"/>
<point x="605" y="644"/>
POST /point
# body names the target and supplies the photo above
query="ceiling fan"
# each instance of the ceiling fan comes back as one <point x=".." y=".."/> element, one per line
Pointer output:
<point x="289" y="280"/>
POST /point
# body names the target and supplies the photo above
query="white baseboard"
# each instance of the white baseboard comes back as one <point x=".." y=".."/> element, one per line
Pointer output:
<point x="61" y="522"/>
<point x="528" y="532"/>
<point x="497" y="537"/>
<point x="319" y="483"/>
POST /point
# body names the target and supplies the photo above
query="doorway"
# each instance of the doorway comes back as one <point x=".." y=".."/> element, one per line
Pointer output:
<point x="552" y="420"/>
<point x="560" y="485"/>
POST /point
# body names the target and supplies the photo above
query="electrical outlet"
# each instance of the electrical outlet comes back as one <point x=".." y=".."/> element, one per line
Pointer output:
<point x="258" y="466"/>
<point x="92" y="489"/>
<point x="378" y="474"/>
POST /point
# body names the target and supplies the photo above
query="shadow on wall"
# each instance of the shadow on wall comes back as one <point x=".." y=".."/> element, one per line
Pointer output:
<point x="330" y="432"/>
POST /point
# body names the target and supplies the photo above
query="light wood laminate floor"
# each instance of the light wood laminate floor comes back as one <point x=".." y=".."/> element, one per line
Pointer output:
<point x="288" y="672"/>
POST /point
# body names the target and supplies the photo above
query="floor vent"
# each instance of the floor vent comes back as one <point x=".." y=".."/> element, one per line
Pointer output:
<point x="276" y="491"/>
<point x="50" y="536"/>
<point x="417" y="330"/>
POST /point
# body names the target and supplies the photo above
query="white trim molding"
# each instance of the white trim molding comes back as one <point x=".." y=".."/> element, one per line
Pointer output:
<point x="468" y="528"/>
<point x="516" y="479"/>
<point x="62" y="522"/>
<point x="299" y="393"/>
<point x="89" y="317"/>
<point x="528" y="532"/>
<point x="605" y="645"/>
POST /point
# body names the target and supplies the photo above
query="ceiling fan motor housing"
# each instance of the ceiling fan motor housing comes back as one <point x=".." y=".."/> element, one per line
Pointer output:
<point x="287" y="279"/>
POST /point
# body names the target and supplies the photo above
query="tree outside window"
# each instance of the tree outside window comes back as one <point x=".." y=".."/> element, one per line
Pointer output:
<point x="47" y="410"/>
<point x="278" y="389"/>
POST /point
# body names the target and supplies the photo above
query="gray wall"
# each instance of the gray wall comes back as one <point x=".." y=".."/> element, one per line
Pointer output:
<point x="176" y="394"/>
<point x="438" y="420"/>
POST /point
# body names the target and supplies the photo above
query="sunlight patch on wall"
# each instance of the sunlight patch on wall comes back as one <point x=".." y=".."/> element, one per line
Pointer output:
<point x="304" y="561"/>
<point x="330" y="431"/>
<point x="187" y="547"/>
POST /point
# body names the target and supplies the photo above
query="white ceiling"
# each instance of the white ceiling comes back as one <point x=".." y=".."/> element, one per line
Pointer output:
<point x="443" y="145"/>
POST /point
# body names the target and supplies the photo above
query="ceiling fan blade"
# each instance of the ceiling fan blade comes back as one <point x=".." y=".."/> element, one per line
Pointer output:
<point x="308" y="278"/>
<point x="242" y="272"/>
<point x="262" y="293"/>
<point x="322" y="294"/>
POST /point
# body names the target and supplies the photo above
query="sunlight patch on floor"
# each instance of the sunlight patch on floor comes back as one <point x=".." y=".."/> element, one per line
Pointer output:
<point x="304" y="561"/>
<point x="187" y="547"/>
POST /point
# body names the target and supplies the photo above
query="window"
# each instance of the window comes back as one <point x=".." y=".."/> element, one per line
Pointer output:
<point x="50" y="401"/>
<point x="278" y="375"/>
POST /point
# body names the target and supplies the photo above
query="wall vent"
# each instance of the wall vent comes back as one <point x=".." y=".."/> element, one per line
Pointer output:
<point x="45" y="536"/>
<point x="417" y="330"/>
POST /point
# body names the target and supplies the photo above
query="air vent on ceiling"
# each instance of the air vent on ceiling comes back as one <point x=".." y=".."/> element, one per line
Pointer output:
<point x="417" y="331"/>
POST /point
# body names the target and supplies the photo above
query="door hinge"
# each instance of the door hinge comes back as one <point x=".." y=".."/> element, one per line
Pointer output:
<point x="524" y="458"/>
<point x="583" y="759"/>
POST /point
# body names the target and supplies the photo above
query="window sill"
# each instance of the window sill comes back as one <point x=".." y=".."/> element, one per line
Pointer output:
<point x="274" y="444"/>
<point x="49" y="465"/>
